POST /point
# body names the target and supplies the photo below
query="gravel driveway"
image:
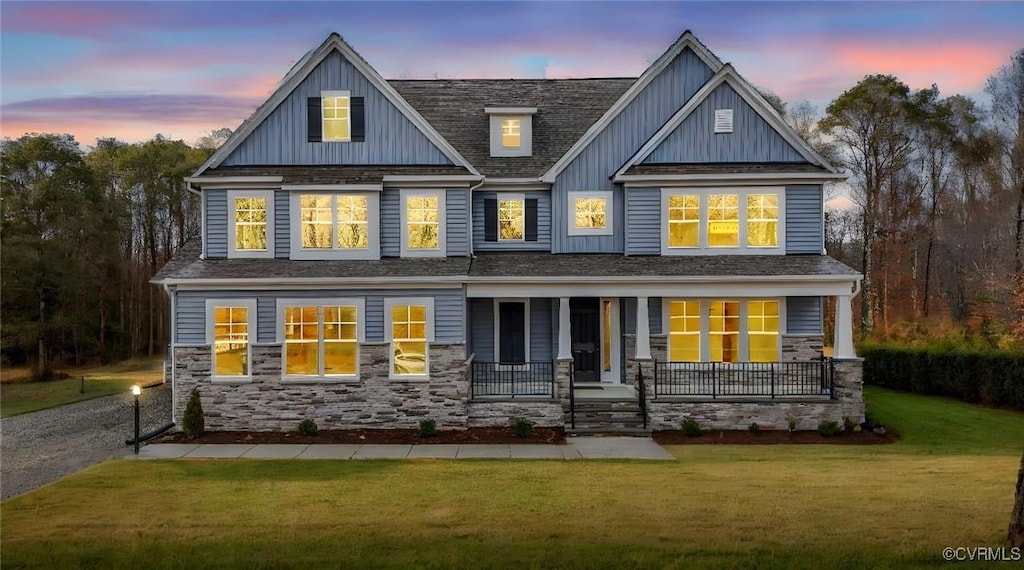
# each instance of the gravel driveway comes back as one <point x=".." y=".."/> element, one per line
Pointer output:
<point x="40" y="447"/>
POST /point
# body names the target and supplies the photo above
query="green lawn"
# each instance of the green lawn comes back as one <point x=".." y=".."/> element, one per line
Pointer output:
<point x="719" y="506"/>
<point x="18" y="395"/>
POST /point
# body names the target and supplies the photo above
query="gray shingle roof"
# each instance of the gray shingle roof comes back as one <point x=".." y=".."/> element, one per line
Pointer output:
<point x="566" y="108"/>
<point x="614" y="265"/>
<point x="724" y="168"/>
<point x="187" y="265"/>
<point x="368" y="174"/>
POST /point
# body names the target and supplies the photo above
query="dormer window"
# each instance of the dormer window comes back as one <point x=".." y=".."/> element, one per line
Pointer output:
<point x="511" y="130"/>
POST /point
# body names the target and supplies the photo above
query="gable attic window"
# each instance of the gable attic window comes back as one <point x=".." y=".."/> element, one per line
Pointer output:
<point x="335" y="116"/>
<point x="511" y="130"/>
<point x="723" y="121"/>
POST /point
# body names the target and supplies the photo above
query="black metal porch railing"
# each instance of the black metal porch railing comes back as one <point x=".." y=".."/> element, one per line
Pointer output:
<point x="641" y="393"/>
<point x="512" y="380"/>
<point x="756" y="379"/>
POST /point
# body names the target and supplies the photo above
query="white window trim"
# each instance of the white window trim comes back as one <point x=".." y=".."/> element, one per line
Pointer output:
<point x="389" y="304"/>
<point x="372" y="250"/>
<point x="705" y="321"/>
<point x="233" y="251"/>
<point x="609" y="220"/>
<point x="505" y="196"/>
<point x="442" y="234"/>
<point x="320" y="302"/>
<point x="323" y="136"/>
<point x="251" y="324"/>
<point x="742" y="192"/>
<point x="497" y="329"/>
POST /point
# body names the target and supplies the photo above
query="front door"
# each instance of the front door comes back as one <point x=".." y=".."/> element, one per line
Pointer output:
<point x="585" y="327"/>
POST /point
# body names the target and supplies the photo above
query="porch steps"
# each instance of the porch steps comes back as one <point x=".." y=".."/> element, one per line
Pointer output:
<point x="607" y="417"/>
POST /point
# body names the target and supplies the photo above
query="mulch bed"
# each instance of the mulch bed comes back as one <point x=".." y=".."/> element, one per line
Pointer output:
<point x="498" y="435"/>
<point x="742" y="437"/>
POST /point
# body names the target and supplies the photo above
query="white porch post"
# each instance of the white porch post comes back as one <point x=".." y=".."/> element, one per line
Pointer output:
<point x="643" y="330"/>
<point x="842" y="342"/>
<point x="564" y="351"/>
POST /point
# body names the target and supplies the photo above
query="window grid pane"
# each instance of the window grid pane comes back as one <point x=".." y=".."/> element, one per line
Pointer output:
<point x="763" y="330"/>
<point x="409" y="340"/>
<point x="724" y="329"/>
<point x="422" y="220"/>
<point x="251" y="224"/>
<point x="683" y="221"/>
<point x="231" y="341"/>
<point x="317" y="225"/>
<point x="723" y="220"/>
<point x="684" y="331"/>
<point x="353" y="219"/>
<point x="511" y="219"/>
<point x="301" y="339"/>
<point x="763" y="220"/>
<point x="590" y="213"/>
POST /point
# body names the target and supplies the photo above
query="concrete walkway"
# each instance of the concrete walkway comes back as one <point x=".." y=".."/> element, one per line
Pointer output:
<point x="575" y="448"/>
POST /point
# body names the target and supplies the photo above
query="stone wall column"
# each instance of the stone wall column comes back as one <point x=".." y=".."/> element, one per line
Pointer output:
<point x="848" y="387"/>
<point x="564" y="336"/>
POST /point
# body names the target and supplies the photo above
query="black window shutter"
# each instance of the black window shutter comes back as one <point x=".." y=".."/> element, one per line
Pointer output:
<point x="314" y="120"/>
<point x="358" y="120"/>
<point x="490" y="219"/>
<point x="531" y="219"/>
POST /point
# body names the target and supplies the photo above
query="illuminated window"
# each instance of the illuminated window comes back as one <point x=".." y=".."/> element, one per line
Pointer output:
<point x="250" y="217"/>
<point x="321" y="338"/>
<point x="590" y="213"/>
<point x="511" y="219"/>
<point x="409" y="335"/>
<point x="724" y="329"/>
<point x="334" y="221"/>
<point x="317" y="222"/>
<point x="510" y="133"/>
<point x="683" y="221"/>
<point x="763" y="220"/>
<point x="763" y="330"/>
<point x="335" y="106"/>
<point x="423" y="214"/>
<point x="723" y="220"/>
<point x="227" y="331"/>
<point x="684" y="331"/>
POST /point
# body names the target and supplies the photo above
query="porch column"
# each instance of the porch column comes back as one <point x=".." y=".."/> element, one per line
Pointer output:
<point x="564" y="339"/>
<point x="842" y="342"/>
<point x="643" y="330"/>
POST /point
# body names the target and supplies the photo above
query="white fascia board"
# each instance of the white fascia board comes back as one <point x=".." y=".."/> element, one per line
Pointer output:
<point x="334" y="187"/>
<point x="440" y="179"/>
<point x="203" y="180"/>
<point x="315" y="283"/>
<point x="512" y="185"/>
<point x="687" y="40"/>
<point x="714" y="289"/>
<point x="299" y="73"/>
<point x="510" y="110"/>
<point x="727" y="179"/>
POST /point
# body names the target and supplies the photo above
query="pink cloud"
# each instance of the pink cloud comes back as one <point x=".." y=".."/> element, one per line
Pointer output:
<point x="955" y="67"/>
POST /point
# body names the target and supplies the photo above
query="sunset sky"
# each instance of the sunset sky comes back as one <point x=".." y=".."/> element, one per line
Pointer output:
<point x="134" y="69"/>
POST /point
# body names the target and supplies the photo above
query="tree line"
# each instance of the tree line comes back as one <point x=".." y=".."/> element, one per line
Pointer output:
<point x="937" y="226"/>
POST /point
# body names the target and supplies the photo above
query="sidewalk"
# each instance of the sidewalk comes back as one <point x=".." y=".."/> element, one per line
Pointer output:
<point x="575" y="448"/>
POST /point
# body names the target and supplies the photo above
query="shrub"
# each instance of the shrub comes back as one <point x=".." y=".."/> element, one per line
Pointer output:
<point x="523" y="427"/>
<point x="982" y="376"/>
<point x="193" y="422"/>
<point x="829" y="428"/>
<point x="754" y="428"/>
<point x="691" y="427"/>
<point x="791" y="423"/>
<point x="428" y="428"/>
<point x="308" y="427"/>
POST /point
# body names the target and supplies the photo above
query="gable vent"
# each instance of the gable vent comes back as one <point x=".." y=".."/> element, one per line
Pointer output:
<point x="723" y="121"/>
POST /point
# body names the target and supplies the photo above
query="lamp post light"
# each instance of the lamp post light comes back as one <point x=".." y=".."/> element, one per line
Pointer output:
<point x="136" y="391"/>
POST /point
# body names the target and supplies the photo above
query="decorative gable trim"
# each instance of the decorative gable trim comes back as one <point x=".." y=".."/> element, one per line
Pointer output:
<point x="728" y="75"/>
<point x="687" y="40"/>
<point x="300" y="71"/>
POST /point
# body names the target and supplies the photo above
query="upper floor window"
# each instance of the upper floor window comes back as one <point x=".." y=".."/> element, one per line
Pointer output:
<point x="251" y="217"/>
<point x="696" y="220"/>
<point x="230" y="325"/>
<point x="590" y="213"/>
<point x="321" y="337"/>
<point x="335" y="225"/>
<point x="423" y="227"/>
<point x="511" y="218"/>
<point x="336" y="120"/>
<point x="511" y="130"/>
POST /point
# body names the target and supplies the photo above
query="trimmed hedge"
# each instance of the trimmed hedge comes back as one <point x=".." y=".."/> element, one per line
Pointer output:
<point x="991" y="378"/>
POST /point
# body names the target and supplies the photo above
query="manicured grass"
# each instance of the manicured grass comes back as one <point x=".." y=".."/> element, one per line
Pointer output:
<point x="719" y="506"/>
<point x="19" y="395"/>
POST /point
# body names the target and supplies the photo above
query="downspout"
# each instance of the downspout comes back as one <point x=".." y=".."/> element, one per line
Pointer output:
<point x="171" y="292"/>
<point x="202" y="214"/>
<point x="469" y="222"/>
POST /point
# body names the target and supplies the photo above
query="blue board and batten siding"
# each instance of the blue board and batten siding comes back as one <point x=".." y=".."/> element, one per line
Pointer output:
<point x="591" y="170"/>
<point x="752" y="138"/>
<point x="449" y="311"/>
<point x="803" y="315"/>
<point x="804" y="231"/>
<point x="543" y="242"/>
<point x="481" y="329"/>
<point x="391" y="138"/>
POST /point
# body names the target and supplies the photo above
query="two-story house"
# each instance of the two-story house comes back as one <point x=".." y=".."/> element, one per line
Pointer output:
<point x="376" y="252"/>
